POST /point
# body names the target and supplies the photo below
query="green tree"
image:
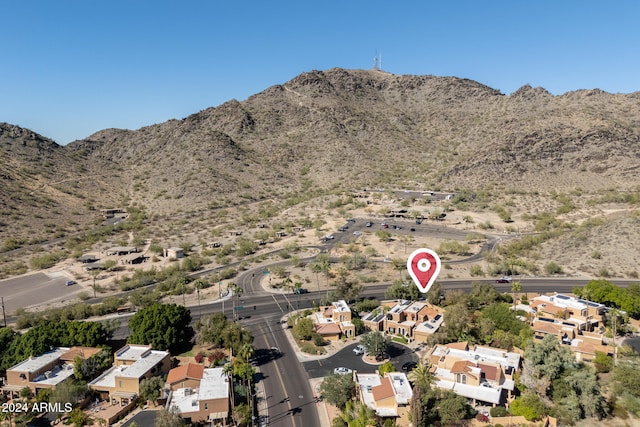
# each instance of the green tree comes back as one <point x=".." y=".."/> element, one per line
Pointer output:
<point x="164" y="326"/>
<point x="68" y="392"/>
<point x="528" y="405"/>
<point x="78" y="417"/>
<point x="347" y="289"/>
<point x="421" y="376"/>
<point x="435" y="294"/>
<point x="602" y="362"/>
<point x="402" y="290"/>
<point x="376" y="343"/>
<point x="386" y="368"/>
<point x="150" y="388"/>
<point x="316" y="268"/>
<point x="458" y="325"/>
<point x="168" y="418"/>
<point x="452" y="407"/>
<point x="577" y="394"/>
<point x="338" y="389"/>
<point x="303" y="328"/>
<point x="357" y="414"/>
<point x="544" y="362"/>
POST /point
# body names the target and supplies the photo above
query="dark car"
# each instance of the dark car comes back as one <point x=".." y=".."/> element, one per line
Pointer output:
<point x="407" y="367"/>
<point x="412" y="229"/>
<point x="300" y="291"/>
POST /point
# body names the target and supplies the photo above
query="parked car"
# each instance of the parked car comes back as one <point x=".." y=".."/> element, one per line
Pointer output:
<point x="412" y="229"/>
<point x="368" y="224"/>
<point x="407" y="367"/>
<point x="397" y="227"/>
<point x="359" y="350"/>
<point x="342" y="371"/>
<point x="357" y="233"/>
<point x="504" y="280"/>
<point x="70" y="282"/>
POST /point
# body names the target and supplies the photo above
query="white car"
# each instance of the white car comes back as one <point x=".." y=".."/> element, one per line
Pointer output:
<point x="357" y="233"/>
<point x="359" y="350"/>
<point x="342" y="371"/>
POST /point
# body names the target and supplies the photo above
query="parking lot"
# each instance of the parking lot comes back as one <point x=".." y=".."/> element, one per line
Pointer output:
<point x="36" y="289"/>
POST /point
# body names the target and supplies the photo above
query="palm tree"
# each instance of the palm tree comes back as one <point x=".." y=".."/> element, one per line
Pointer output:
<point x="421" y="376"/>
<point x="317" y="269"/>
<point x="516" y="286"/>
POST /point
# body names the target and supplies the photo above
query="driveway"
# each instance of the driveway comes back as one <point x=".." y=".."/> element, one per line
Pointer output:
<point x="399" y="353"/>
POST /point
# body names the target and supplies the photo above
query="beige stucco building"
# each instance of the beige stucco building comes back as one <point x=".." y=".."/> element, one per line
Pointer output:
<point x="131" y="364"/>
<point x="198" y="394"/>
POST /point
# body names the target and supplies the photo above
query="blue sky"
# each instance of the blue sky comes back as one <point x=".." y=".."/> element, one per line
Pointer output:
<point x="71" y="68"/>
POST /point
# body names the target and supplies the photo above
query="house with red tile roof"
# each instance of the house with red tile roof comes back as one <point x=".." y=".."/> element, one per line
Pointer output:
<point x="385" y="395"/>
<point x="482" y="374"/>
<point x="333" y="321"/>
<point x="188" y="375"/>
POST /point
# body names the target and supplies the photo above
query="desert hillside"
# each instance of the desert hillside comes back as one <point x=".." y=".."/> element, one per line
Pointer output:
<point x="333" y="132"/>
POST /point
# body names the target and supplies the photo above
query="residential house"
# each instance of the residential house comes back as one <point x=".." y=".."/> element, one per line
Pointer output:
<point x="586" y="315"/>
<point x="45" y="371"/>
<point x="199" y="395"/>
<point x="385" y="395"/>
<point x="132" y="364"/>
<point x="483" y="374"/>
<point x="185" y="376"/>
<point x="577" y="323"/>
<point x="414" y="320"/>
<point x="582" y="343"/>
<point x="334" y="321"/>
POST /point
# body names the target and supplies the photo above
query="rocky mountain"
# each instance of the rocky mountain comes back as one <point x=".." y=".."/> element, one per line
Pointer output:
<point x="327" y="130"/>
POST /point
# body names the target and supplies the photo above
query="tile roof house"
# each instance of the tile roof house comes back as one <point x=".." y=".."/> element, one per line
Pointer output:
<point x="183" y="376"/>
<point x="385" y="395"/>
<point x="482" y="374"/>
<point x="132" y="363"/>
<point x="333" y="321"/>
<point x="586" y="315"/>
<point x="577" y="323"/>
<point x="203" y="399"/>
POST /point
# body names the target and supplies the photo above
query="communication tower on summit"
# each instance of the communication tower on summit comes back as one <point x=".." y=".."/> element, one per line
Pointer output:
<point x="377" y="62"/>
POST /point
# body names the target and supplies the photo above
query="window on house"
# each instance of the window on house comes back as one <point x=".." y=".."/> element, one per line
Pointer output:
<point x="206" y="406"/>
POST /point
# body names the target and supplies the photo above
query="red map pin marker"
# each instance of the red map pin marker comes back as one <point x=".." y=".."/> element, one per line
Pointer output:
<point x="424" y="266"/>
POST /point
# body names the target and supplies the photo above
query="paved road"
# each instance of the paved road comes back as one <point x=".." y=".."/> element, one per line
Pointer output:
<point x="36" y="289"/>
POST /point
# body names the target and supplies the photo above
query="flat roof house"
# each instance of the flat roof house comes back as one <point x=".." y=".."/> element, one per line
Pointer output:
<point x="47" y="370"/>
<point x="482" y="374"/>
<point x="132" y="363"/>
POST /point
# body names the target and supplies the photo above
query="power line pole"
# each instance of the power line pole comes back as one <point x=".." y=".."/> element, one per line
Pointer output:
<point x="4" y="314"/>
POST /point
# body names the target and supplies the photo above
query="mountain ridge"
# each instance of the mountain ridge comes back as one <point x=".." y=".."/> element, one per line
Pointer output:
<point x="338" y="130"/>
